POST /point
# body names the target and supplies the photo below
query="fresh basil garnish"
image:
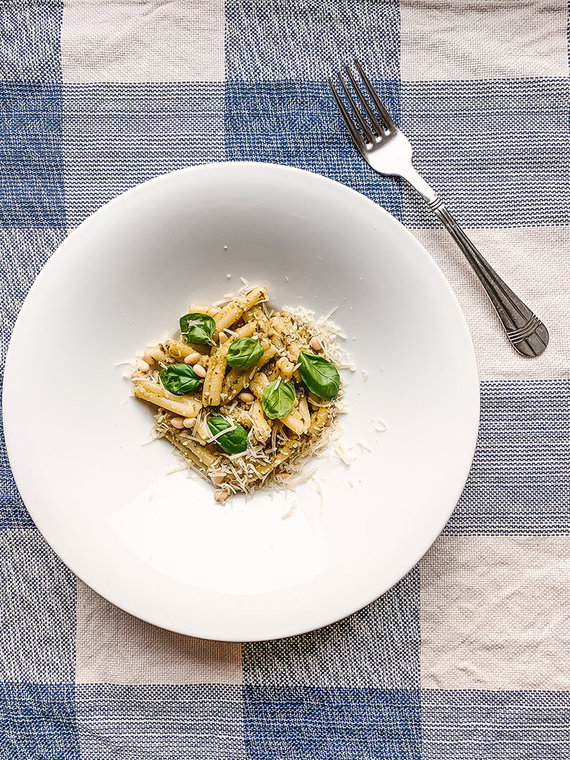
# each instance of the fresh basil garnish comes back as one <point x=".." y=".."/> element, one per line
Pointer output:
<point x="278" y="399"/>
<point x="232" y="442"/>
<point x="179" y="379"/>
<point x="197" y="327"/>
<point x="319" y="375"/>
<point x="244" y="353"/>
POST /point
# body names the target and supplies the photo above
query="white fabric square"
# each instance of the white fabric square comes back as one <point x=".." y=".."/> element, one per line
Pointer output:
<point x="494" y="613"/>
<point x="37" y="596"/>
<point x="483" y="39"/>
<point x="143" y="41"/>
<point x="115" y="647"/>
<point x="534" y="262"/>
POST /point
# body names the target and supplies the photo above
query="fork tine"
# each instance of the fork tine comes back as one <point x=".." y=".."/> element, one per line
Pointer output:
<point x="363" y="125"/>
<point x="354" y="133"/>
<point x="372" y="92"/>
<point x="373" y="119"/>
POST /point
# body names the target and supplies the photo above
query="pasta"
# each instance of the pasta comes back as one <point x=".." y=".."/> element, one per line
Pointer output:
<point x="235" y="309"/>
<point x="156" y="394"/>
<point x="244" y="393"/>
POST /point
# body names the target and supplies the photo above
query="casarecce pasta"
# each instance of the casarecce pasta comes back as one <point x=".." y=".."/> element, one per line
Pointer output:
<point x="245" y="393"/>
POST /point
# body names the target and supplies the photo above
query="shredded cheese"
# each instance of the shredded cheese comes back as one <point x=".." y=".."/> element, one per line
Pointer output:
<point x="291" y="511"/>
<point x="343" y="454"/>
<point x="222" y="432"/>
<point x="280" y="460"/>
<point x="328" y="315"/>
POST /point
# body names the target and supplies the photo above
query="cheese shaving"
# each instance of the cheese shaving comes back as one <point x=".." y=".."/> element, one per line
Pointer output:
<point x="222" y="432"/>
<point x="328" y="315"/>
<point x="291" y="511"/>
<point x="343" y="454"/>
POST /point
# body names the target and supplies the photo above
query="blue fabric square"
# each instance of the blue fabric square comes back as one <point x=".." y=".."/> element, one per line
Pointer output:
<point x="162" y="722"/>
<point x="308" y="39"/>
<point x="13" y="513"/>
<point x="497" y="151"/>
<point x="37" y="722"/>
<point x="376" y="647"/>
<point x="38" y="597"/>
<point x="30" y="40"/>
<point x="495" y="725"/>
<point x="31" y="158"/>
<point x="520" y="478"/>
<point x="298" y="124"/>
<point x="319" y="724"/>
<point x="119" y="135"/>
<point x="24" y="252"/>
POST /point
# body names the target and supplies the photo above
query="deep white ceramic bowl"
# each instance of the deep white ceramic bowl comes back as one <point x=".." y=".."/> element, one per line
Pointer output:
<point x="156" y="544"/>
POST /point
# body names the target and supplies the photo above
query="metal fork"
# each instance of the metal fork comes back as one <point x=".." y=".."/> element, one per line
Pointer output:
<point x="389" y="152"/>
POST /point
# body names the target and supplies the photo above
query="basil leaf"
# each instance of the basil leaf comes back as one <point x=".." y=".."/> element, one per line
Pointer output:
<point x="244" y="352"/>
<point x="179" y="379"/>
<point x="233" y="442"/>
<point x="319" y="375"/>
<point x="197" y="327"/>
<point x="278" y="399"/>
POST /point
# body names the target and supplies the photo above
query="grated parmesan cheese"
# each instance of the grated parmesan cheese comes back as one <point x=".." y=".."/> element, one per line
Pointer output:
<point x="328" y="316"/>
<point x="343" y="454"/>
<point x="177" y="469"/>
<point x="291" y="511"/>
<point x="245" y="472"/>
<point x="222" y="432"/>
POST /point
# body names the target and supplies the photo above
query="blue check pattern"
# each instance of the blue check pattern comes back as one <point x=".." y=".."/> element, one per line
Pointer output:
<point x="70" y="140"/>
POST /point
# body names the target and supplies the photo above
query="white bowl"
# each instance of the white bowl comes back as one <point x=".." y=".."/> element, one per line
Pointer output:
<point x="156" y="544"/>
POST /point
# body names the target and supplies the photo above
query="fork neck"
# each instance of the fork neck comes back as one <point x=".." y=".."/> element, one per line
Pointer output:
<point x="419" y="183"/>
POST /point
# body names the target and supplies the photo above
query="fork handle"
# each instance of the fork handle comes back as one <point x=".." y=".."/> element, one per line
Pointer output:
<point x="525" y="331"/>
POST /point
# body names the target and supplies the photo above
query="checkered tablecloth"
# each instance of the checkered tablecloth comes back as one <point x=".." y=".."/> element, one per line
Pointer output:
<point x="467" y="658"/>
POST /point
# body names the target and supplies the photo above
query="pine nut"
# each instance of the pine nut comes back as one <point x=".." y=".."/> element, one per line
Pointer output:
<point x="189" y="422"/>
<point x="199" y="370"/>
<point x="192" y="358"/>
<point x="177" y="422"/>
<point x="246" y="397"/>
<point x="222" y="337"/>
<point x="221" y="495"/>
<point x="217" y="477"/>
<point x="315" y="344"/>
